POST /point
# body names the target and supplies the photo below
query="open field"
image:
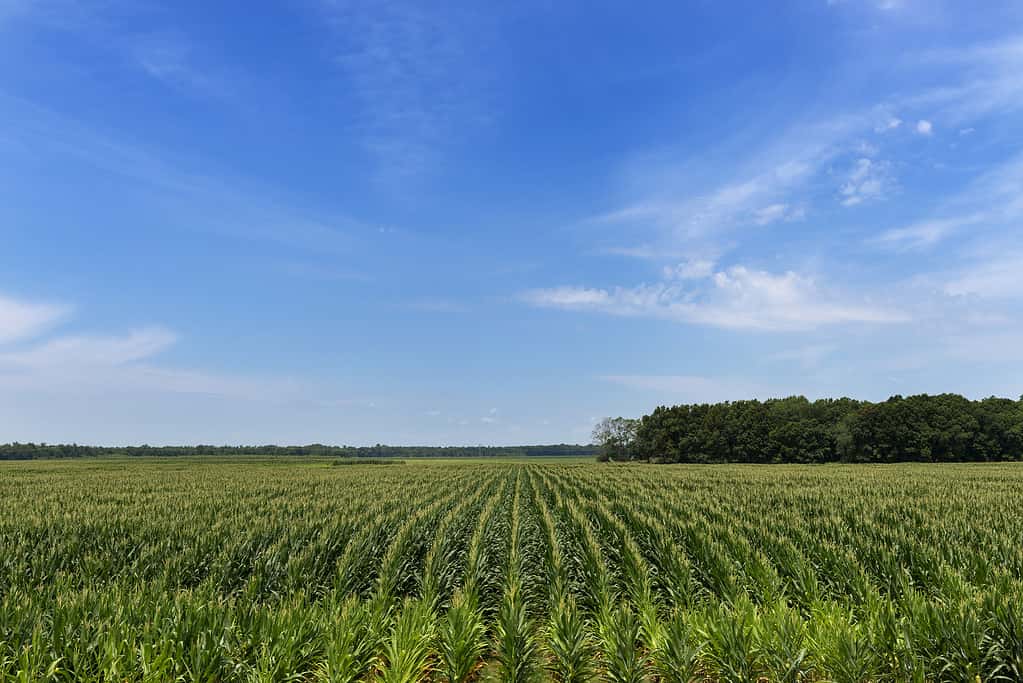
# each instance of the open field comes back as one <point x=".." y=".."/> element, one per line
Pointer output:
<point x="275" y="570"/>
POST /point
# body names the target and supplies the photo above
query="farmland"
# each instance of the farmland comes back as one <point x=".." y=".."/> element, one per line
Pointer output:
<point x="277" y="569"/>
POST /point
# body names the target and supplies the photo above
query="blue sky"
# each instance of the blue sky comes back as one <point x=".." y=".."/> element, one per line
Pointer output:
<point x="448" y="223"/>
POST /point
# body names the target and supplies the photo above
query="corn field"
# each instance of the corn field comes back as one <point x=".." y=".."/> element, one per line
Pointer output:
<point x="284" y="570"/>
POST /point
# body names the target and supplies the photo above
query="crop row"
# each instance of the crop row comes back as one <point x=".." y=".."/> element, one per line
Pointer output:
<point x="275" y="571"/>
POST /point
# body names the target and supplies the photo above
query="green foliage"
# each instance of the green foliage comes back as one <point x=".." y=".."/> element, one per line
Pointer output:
<point x="731" y="649"/>
<point x="228" y="572"/>
<point x="569" y="645"/>
<point x="514" y="639"/>
<point x="676" y="650"/>
<point x="942" y="428"/>
<point x="408" y="648"/>
<point x="624" y="661"/>
<point x="354" y="634"/>
<point x="462" y="641"/>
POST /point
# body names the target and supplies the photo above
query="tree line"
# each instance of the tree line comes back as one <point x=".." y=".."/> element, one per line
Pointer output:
<point x="30" y="451"/>
<point x="941" y="428"/>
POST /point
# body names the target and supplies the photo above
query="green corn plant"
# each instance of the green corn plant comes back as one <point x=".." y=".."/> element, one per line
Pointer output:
<point x="288" y="644"/>
<point x="440" y="557"/>
<point x="477" y="576"/>
<point x="514" y="642"/>
<point x="409" y="648"/>
<point x="783" y="654"/>
<point x="731" y="650"/>
<point x="352" y="638"/>
<point x="675" y="650"/>
<point x="116" y="653"/>
<point x="964" y="644"/>
<point x="33" y="662"/>
<point x="200" y="632"/>
<point x="842" y="648"/>
<point x="600" y="590"/>
<point x="1006" y="653"/>
<point x="555" y="574"/>
<point x="568" y="644"/>
<point x="155" y="659"/>
<point x="619" y="629"/>
<point x="461" y="642"/>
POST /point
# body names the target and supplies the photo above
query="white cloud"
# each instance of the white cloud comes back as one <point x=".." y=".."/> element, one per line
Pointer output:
<point x="990" y="206"/>
<point x="647" y="252"/>
<point x="682" y="217"/>
<point x="771" y="213"/>
<point x="867" y="180"/>
<point x="998" y="277"/>
<point x="23" y="319"/>
<point x="925" y="233"/>
<point x="690" y="202"/>
<point x="883" y="5"/>
<point x="80" y="351"/>
<point x="172" y="59"/>
<point x="414" y="73"/>
<point x="891" y="123"/>
<point x="226" y="205"/>
<point x="736" y="298"/>
<point x="991" y="80"/>
<point x="568" y="297"/>
<point x="690" y="269"/>
<point x="867" y="149"/>
<point x="61" y="364"/>
<point x="699" y="204"/>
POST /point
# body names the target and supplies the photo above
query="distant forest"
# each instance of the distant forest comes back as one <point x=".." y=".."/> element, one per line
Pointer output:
<point x="923" y="428"/>
<point x="942" y="428"/>
<point x="30" y="451"/>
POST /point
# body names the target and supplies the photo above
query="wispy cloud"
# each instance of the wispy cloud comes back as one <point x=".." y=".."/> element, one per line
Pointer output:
<point x="690" y="269"/>
<point x="108" y="362"/>
<point x="687" y="202"/>
<point x="137" y="35"/>
<point x="888" y="124"/>
<point x="988" y="207"/>
<point x="779" y="211"/>
<point x="867" y="180"/>
<point x="80" y="351"/>
<point x="413" y="75"/>
<point x="173" y="59"/>
<point x="925" y="233"/>
<point x="996" y="277"/>
<point x="736" y="298"/>
<point x="25" y="319"/>
<point x="752" y="200"/>
<point x="220" y="203"/>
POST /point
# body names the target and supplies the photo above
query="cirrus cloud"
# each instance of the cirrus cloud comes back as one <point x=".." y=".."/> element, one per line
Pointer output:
<point x="735" y="298"/>
<point x="24" y="319"/>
